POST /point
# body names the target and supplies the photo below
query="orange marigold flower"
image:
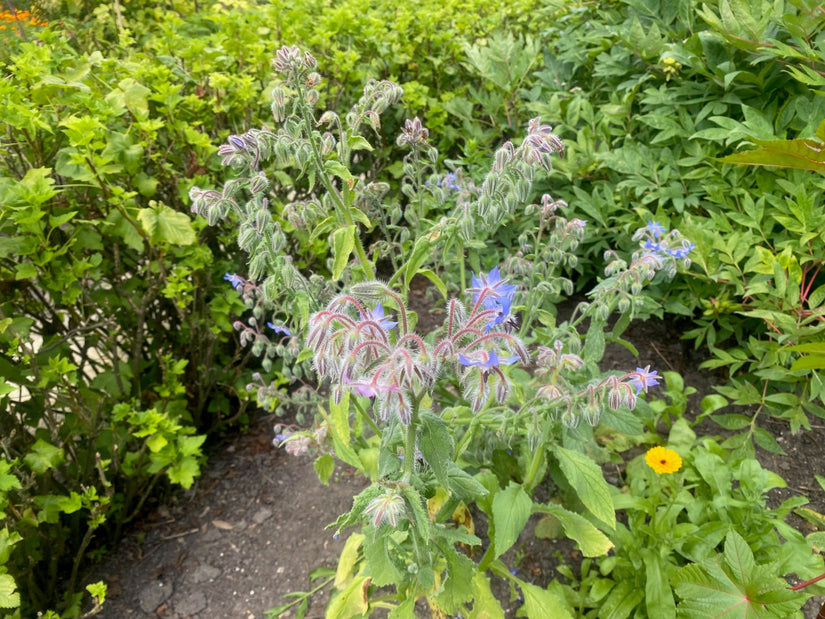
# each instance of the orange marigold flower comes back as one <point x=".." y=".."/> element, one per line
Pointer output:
<point x="663" y="460"/>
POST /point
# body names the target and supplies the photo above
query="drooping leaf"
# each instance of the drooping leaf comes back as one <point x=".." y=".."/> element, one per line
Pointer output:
<point x="347" y="560"/>
<point x="593" y="543"/>
<point x="353" y="601"/>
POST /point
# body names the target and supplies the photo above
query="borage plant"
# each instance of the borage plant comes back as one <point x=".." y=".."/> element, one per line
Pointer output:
<point x="445" y="424"/>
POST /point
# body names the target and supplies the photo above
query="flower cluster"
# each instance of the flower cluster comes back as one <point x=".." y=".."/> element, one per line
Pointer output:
<point x="12" y="19"/>
<point x="573" y="403"/>
<point x="659" y="250"/>
<point x="657" y="241"/>
<point x="413" y="132"/>
<point x="360" y="349"/>
<point x="510" y="179"/>
<point x="353" y="346"/>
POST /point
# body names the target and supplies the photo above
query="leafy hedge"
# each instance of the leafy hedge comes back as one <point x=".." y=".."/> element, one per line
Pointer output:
<point x="117" y="349"/>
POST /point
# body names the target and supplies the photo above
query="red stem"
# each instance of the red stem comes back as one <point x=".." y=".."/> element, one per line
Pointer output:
<point x="802" y="585"/>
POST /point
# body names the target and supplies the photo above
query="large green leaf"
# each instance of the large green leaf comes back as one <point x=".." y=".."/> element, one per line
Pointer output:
<point x="165" y="225"/>
<point x="511" y="510"/>
<point x="593" y="543"/>
<point x="540" y="602"/>
<point x="802" y="154"/>
<point x="436" y="446"/>
<point x="586" y="478"/>
<point x="734" y="588"/>
<point x="485" y="605"/>
<point x="457" y="586"/>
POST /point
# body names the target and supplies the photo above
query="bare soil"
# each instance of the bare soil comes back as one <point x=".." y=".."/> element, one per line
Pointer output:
<point x="253" y="527"/>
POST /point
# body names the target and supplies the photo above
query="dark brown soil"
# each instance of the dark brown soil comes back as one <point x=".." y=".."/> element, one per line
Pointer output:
<point x="253" y="527"/>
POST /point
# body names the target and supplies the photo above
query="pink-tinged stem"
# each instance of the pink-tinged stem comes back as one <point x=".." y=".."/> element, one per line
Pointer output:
<point x="802" y="585"/>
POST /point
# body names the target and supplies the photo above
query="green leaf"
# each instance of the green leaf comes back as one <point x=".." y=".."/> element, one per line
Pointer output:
<point x="485" y="605"/>
<point x="7" y="540"/>
<point x="379" y="564"/>
<point x="463" y="485"/>
<point x="156" y="442"/>
<point x="419" y="255"/>
<point x="9" y="598"/>
<point x="586" y="478"/>
<point x="456" y="588"/>
<point x="594" y="341"/>
<point x="165" y="225"/>
<point x="734" y="588"/>
<point x="733" y="421"/>
<point x="511" y="510"/>
<point x="43" y="456"/>
<point x="343" y="242"/>
<point x="56" y="221"/>
<point x="336" y="168"/>
<point x="658" y="594"/>
<point x="25" y="270"/>
<point x="340" y="417"/>
<point x="436" y="445"/>
<point x="184" y="472"/>
<point x="324" y="467"/>
<point x="353" y="601"/>
<point x="98" y="591"/>
<point x="190" y="445"/>
<point x="801" y="154"/>
<point x="132" y="96"/>
<point x="540" y="602"/>
<point x="766" y="441"/>
<point x="7" y="479"/>
<point x="357" y="142"/>
<point x="810" y="362"/>
<point x="593" y="543"/>
<point x="348" y="560"/>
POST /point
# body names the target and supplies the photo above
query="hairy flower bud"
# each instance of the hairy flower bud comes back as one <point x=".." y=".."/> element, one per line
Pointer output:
<point x="259" y="183"/>
<point x="309" y="61"/>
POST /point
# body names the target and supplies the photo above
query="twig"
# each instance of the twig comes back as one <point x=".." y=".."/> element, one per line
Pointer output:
<point x="184" y="534"/>
<point x="662" y="357"/>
